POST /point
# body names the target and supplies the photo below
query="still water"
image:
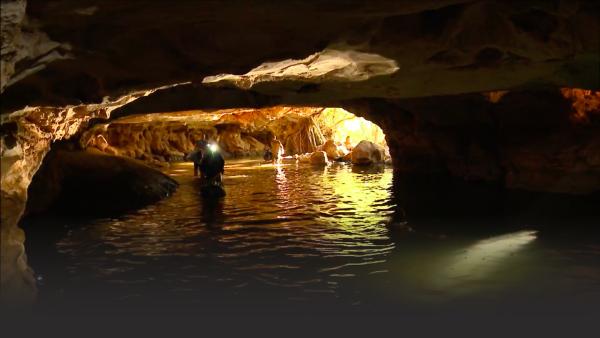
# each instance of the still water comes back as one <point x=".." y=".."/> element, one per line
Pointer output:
<point x="294" y="237"/>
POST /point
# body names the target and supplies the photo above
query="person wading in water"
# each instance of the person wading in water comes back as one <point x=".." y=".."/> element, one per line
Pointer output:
<point x="212" y="164"/>
<point x="276" y="150"/>
<point x="196" y="156"/>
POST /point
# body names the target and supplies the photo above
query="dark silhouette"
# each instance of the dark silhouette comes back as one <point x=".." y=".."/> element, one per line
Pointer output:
<point x="196" y="156"/>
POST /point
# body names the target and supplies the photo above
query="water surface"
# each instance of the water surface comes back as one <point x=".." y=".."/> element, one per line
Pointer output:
<point x="294" y="237"/>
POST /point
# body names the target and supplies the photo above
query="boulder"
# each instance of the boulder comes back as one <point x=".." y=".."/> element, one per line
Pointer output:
<point x="93" y="183"/>
<point x="319" y="158"/>
<point x="332" y="150"/>
<point x="367" y="152"/>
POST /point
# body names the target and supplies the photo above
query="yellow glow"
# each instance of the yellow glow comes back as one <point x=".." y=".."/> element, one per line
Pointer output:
<point x="339" y="124"/>
<point x="495" y="96"/>
<point x="585" y="103"/>
<point x="361" y="194"/>
<point x="352" y="125"/>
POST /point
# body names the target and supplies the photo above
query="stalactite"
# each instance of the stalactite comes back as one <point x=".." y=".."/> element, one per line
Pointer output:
<point x="306" y="137"/>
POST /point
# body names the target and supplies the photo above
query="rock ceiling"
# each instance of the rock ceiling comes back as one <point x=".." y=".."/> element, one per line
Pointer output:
<point x="72" y="52"/>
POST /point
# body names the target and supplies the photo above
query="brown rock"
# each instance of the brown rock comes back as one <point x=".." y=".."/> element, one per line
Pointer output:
<point x="367" y="152"/>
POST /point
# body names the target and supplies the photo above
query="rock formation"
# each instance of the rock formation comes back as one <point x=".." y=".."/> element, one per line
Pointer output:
<point x="367" y="152"/>
<point x="26" y="138"/>
<point x="318" y="158"/>
<point x="93" y="183"/>
<point x="529" y="140"/>
<point x="439" y="47"/>
<point x="165" y="137"/>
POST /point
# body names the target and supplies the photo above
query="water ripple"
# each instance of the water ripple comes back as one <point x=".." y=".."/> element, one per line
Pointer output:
<point x="289" y="226"/>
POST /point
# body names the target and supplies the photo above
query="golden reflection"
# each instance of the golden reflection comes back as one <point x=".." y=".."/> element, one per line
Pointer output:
<point x="281" y="184"/>
<point x="361" y="200"/>
<point x="270" y="210"/>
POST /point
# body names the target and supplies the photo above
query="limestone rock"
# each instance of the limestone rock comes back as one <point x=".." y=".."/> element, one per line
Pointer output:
<point x="332" y="150"/>
<point x="85" y="182"/>
<point x="386" y="49"/>
<point x="315" y="158"/>
<point x="29" y="134"/>
<point x="319" y="158"/>
<point x="367" y="152"/>
<point x="328" y="65"/>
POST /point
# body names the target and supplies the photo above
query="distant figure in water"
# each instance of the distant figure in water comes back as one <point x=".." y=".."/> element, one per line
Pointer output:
<point x="212" y="164"/>
<point x="268" y="156"/>
<point x="277" y="150"/>
<point x="348" y="143"/>
<point x="196" y="155"/>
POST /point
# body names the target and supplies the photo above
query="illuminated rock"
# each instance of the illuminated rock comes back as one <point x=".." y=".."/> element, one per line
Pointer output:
<point x="328" y="65"/>
<point x="318" y="158"/>
<point x="26" y="140"/>
<point x="367" y="152"/>
<point x="332" y="150"/>
<point x="239" y="132"/>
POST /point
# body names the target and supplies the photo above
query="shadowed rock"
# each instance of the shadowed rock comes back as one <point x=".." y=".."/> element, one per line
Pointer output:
<point x="78" y="182"/>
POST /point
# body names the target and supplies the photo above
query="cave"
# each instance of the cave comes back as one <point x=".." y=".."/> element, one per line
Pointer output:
<point x="380" y="158"/>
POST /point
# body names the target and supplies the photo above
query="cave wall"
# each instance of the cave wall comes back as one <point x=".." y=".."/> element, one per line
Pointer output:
<point x="532" y="140"/>
<point x="165" y="137"/>
<point x="26" y="137"/>
<point x="25" y="141"/>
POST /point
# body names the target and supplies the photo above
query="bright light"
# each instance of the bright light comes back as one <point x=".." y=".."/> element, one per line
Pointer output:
<point x="480" y="260"/>
<point x="353" y="125"/>
<point x="213" y="147"/>
<point x="340" y="125"/>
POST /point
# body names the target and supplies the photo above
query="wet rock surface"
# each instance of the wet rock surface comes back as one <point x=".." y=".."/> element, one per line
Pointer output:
<point x="526" y="140"/>
<point x="168" y="137"/>
<point x="367" y="152"/>
<point x="93" y="183"/>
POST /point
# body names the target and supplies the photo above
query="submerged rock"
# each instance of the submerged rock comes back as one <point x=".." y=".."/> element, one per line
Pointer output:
<point x="367" y="152"/>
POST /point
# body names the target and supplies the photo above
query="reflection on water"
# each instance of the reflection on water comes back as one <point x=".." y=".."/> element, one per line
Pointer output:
<point x="478" y="261"/>
<point x="285" y="234"/>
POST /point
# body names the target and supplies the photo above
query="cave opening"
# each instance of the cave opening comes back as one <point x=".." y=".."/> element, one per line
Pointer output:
<point x="126" y="188"/>
<point x="116" y="165"/>
<point x="164" y="137"/>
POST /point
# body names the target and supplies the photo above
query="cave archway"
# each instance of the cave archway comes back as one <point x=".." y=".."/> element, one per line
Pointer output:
<point x="302" y="193"/>
<point x="239" y="132"/>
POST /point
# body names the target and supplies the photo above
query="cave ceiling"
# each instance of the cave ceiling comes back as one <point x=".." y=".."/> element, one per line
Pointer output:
<point x="257" y="53"/>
